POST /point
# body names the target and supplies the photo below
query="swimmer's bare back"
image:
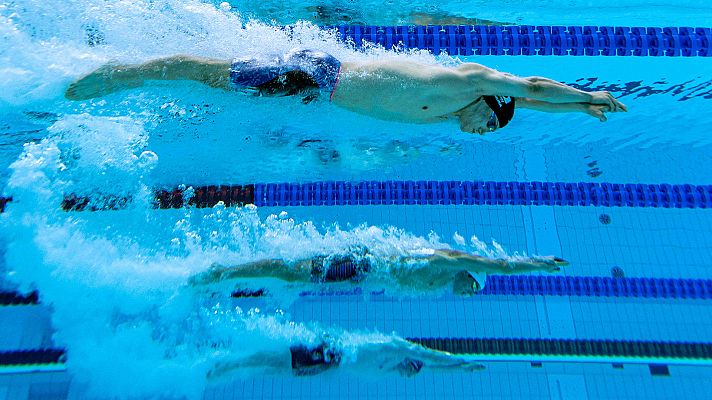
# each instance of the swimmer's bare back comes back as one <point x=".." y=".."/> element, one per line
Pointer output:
<point x="402" y="91"/>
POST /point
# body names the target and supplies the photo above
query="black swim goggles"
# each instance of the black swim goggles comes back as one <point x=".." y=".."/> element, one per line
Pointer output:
<point x="492" y="122"/>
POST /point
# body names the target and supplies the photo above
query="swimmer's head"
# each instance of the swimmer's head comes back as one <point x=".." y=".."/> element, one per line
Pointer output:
<point x="465" y="285"/>
<point x="477" y="118"/>
<point x="409" y="367"/>
<point x="502" y="110"/>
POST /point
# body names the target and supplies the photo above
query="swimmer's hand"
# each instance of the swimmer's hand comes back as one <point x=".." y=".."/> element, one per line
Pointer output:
<point x="472" y="366"/>
<point x="212" y="275"/>
<point x="596" y="110"/>
<point x="607" y="99"/>
<point x="544" y="263"/>
<point x="107" y="79"/>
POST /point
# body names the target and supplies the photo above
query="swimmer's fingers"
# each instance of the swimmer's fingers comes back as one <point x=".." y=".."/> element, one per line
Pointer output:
<point x="597" y="111"/>
<point x="560" y="261"/>
<point x="620" y="106"/>
<point x="473" y="366"/>
<point x="606" y="99"/>
<point x="612" y="103"/>
<point x="551" y="261"/>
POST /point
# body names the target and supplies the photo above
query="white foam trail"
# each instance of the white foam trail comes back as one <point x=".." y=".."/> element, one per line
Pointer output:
<point x="45" y="43"/>
<point x="117" y="281"/>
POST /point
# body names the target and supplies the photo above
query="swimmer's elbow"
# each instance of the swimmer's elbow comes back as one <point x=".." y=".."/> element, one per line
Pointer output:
<point x="533" y="87"/>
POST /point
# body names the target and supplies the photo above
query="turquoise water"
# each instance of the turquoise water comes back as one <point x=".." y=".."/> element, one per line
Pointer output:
<point x="113" y="284"/>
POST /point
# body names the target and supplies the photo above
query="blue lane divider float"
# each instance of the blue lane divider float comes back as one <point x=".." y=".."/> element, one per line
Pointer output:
<point x="592" y="286"/>
<point x="525" y="285"/>
<point x="583" y="286"/>
<point x="481" y="193"/>
<point x="331" y="193"/>
<point x="527" y="40"/>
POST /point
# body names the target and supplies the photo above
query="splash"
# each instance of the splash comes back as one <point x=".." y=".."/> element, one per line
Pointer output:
<point x="45" y="44"/>
<point x="117" y="281"/>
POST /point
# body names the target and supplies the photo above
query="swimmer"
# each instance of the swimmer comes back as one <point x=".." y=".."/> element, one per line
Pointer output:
<point x="480" y="98"/>
<point x="463" y="273"/>
<point x="393" y="355"/>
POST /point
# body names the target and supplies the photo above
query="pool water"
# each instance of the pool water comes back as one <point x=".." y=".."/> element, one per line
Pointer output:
<point x="112" y="284"/>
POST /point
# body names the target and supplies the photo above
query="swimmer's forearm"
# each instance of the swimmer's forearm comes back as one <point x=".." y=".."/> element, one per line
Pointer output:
<point x="436" y="359"/>
<point x="487" y="81"/>
<point x="268" y="361"/>
<point x="214" y="73"/>
<point x="544" y="106"/>
<point x="470" y="262"/>
<point x="273" y="268"/>
<point x="551" y="91"/>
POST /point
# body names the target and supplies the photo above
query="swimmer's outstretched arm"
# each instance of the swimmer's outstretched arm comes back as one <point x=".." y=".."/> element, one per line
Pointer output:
<point x="595" y="110"/>
<point x="478" y="80"/>
<point x="436" y="359"/>
<point x="300" y="271"/>
<point x="269" y="362"/>
<point x="455" y="260"/>
<point x="407" y="358"/>
<point x="493" y="82"/>
<point x="111" y="78"/>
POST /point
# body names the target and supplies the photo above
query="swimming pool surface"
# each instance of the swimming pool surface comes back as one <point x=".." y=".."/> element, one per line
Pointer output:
<point x="112" y="315"/>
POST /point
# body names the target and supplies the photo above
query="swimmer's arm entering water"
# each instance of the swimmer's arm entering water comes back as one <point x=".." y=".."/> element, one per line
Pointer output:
<point x="112" y="78"/>
<point x="267" y="362"/>
<point x="300" y="271"/>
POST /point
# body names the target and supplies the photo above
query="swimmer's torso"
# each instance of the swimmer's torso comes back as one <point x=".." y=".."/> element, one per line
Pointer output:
<point x="398" y="91"/>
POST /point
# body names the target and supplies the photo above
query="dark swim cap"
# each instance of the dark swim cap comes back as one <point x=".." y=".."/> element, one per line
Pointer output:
<point x="503" y="107"/>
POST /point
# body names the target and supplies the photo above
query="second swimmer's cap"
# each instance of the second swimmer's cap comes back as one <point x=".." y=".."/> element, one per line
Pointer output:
<point x="503" y="107"/>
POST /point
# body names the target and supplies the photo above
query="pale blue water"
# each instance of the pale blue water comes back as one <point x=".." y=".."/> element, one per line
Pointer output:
<point x="113" y="284"/>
